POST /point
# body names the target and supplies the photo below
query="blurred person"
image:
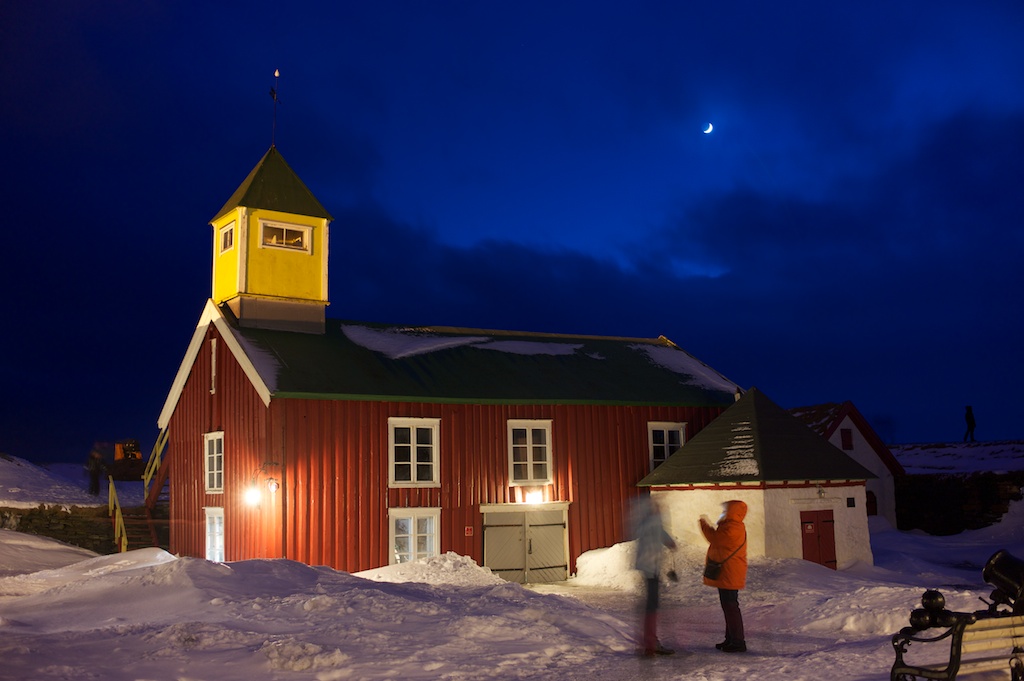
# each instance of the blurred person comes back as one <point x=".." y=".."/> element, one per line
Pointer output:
<point x="728" y="548"/>
<point x="651" y="537"/>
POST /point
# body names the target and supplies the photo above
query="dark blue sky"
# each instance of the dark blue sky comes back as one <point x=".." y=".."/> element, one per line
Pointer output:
<point x="852" y="229"/>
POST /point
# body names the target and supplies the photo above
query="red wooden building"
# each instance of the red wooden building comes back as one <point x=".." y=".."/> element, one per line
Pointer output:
<point x="358" y="445"/>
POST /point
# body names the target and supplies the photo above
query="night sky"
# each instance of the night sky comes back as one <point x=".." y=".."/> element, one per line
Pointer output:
<point x="851" y="229"/>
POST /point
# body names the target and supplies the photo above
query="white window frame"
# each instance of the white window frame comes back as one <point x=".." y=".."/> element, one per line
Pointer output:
<point x="526" y="453"/>
<point x="227" y="232"/>
<point x="663" y="427"/>
<point x="429" y="547"/>
<point x="214" y="531"/>
<point x="213" y="462"/>
<point x="305" y="230"/>
<point x="415" y="425"/>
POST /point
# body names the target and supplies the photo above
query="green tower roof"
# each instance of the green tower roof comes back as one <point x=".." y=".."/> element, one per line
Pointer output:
<point x="273" y="185"/>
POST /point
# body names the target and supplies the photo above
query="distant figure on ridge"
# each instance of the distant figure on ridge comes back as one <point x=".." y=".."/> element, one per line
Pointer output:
<point x="969" y="417"/>
<point x="95" y="468"/>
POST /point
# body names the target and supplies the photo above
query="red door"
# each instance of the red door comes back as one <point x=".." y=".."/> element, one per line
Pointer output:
<point x="818" y="530"/>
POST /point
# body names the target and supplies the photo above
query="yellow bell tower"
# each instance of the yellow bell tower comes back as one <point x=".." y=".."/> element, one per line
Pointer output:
<point x="270" y="251"/>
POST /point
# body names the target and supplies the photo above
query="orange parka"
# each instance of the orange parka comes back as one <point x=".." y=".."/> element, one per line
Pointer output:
<point x="728" y="536"/>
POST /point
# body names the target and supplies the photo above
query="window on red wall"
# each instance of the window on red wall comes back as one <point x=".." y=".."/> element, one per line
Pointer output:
<point x="663" y="438"/>
<point x="413" y="452"/>
<point x="213" y="462"/>
<point x="529" y="448"/>
<point x="847" y="437"/>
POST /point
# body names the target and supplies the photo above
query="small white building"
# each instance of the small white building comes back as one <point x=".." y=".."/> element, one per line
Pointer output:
<point x="805" y="497"/>
<point x="845" y="427"/>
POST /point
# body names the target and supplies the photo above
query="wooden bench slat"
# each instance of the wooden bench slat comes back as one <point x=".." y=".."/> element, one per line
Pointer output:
<point x="985" y="645"/>
<point x="978" y="664"/>
<point x="997" y="622"/>
<point x="976" y="646"/>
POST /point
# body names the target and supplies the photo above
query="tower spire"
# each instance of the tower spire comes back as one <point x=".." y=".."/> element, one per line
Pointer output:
<point x="273" y="95"/>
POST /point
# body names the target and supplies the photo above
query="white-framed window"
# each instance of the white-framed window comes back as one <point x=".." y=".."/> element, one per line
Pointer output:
<point x="664" y="438"/>
<point x="414" y="533"/>
<point x="227" y="237"/>
<point x="214" y="533"/>
<point x="414" y="452"/>
<point x="213" y="462"/>
<point x="529" y="452"/>
<point x="284" y="235"/>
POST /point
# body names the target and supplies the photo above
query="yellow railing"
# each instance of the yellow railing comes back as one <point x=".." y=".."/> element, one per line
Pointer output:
<point x="154" y="462"/>
<point x="114" y="509"/>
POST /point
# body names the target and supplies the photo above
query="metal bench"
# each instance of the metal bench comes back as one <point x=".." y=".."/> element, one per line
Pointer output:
<point x="977" y="643"/>
<point x="983" y="642"/>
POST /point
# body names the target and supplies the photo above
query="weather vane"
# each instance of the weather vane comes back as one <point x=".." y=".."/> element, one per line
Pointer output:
<point x="273" y="95"/>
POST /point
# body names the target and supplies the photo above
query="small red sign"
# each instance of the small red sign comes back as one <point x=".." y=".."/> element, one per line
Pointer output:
<point x="469" y="530"/>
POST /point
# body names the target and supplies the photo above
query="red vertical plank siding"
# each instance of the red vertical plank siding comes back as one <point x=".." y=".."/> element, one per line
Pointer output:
<point x="235" y="408"/>
<point x="332" y="506"/>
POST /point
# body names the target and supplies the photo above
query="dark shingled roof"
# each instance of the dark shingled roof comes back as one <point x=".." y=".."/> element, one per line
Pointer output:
<point x="755" y="440"/>
<point x="273" y="185"/>
<point x="440" y="364"/>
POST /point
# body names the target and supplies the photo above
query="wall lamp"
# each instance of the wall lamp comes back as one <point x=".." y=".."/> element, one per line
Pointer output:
<point x="252" y="493"/>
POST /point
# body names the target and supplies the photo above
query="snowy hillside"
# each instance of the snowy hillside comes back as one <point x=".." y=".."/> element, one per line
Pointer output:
<point x="25" y="485"/>
<point x="145" y="615"/>
<point x="971" y="457"/>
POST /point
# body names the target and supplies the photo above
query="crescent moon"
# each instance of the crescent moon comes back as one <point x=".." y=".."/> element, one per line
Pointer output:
<point x="709" y="129"/>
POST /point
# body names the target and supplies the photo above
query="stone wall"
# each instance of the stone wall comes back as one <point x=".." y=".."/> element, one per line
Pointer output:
<point x="86" y="526"/>
<point x="944" y="504"/>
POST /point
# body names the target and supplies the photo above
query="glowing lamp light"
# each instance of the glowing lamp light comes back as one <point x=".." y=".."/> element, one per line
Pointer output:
<point x="534" y="497"/>
<point x="252" y="496"/>
<point x="273" y="485"/>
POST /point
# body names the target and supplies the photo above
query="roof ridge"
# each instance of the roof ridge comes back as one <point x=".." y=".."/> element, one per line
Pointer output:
<point x="467" y="330"/>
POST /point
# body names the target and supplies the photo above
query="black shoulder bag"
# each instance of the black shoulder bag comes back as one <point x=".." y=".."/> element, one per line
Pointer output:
<point x="713" y="568"/>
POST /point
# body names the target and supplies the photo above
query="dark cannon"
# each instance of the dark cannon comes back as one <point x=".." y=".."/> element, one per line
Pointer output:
<point x="1006" y="574"/>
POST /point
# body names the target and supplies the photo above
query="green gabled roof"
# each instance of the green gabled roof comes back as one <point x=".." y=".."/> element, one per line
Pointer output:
<point x="273" y="185"/>
<point x="440" y="364"/>
<point x="755" y="440"/>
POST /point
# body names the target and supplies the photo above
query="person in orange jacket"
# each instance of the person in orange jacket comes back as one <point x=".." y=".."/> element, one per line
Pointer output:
<point x="728" y="545"/>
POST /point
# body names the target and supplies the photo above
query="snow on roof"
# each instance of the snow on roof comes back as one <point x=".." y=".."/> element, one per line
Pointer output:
<point x="519" y="347"/>
<point x="681" y="362"/>
<point x="399" y="343"/>
<point x="739" y="456"/>
<point x="956" y="457"/>
<point x="266" y="364"/>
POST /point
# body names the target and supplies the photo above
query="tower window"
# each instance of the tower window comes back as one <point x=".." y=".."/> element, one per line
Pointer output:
<point x="292" y="237"/>
<point x="227" y="237"/>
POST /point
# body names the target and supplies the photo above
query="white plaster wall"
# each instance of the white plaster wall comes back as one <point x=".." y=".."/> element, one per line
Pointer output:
<point x="773" y="519"/>
<point x="682" y="508"/>
<point x="884" y="486"/>
<point x="783" y="538"/>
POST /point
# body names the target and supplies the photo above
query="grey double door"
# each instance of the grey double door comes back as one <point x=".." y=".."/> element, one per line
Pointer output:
<point x="526" y="545"/>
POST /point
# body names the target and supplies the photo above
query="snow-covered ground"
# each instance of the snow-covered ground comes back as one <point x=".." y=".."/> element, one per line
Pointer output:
<point x="146" y="615"/>
<point x="971" y="457"/>
<point x="25" y="485"/>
